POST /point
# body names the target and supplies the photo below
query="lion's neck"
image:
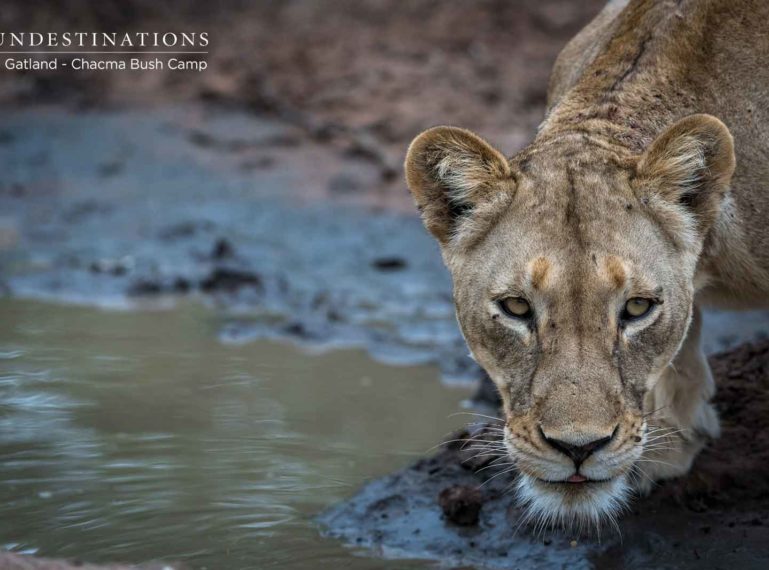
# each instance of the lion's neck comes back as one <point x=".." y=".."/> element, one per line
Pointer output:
<point x="641" y="82"/>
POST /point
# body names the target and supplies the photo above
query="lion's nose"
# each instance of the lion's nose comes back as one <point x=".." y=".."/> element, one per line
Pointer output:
<point x="578" y="452"/>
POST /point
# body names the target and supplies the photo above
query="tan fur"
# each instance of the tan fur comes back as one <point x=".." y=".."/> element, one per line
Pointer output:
<point x="648" y="178"/>
<point x="539" y="270"/>
<point x="616" y="271"/>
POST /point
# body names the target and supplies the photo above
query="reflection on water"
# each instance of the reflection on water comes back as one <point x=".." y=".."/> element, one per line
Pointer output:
<point x="137" y="436"/>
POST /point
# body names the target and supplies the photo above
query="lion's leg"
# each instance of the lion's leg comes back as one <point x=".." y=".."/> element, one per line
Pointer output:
<point x="681" y="418"/>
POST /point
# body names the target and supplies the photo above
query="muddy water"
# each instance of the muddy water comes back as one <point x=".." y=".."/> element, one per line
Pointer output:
<point x="138" y="436"/>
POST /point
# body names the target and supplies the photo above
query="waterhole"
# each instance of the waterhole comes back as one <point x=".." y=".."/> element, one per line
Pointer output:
<point x="137" y="436"/>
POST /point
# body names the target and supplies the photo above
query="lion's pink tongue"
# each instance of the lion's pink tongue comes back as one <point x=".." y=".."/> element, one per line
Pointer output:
<point x="576" y="478"/>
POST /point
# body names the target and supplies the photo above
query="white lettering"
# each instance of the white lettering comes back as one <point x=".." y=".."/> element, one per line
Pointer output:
<point x="186" y="65"/>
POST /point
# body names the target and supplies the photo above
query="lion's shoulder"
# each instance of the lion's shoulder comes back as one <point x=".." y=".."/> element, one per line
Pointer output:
<point x="582" y="49"/>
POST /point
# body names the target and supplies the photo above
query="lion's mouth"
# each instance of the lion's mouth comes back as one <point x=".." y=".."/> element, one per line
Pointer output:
<point x="557" y="502"/>
<point x="577" y="478"/>
<point x="574" y="480"/>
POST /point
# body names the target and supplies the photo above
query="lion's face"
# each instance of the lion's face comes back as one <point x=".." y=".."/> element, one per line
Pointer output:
<point x="574" y="306"/>
<point x="574" y="275"/>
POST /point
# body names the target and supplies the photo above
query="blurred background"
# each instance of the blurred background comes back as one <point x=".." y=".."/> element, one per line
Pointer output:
<point x="365" y="74"/>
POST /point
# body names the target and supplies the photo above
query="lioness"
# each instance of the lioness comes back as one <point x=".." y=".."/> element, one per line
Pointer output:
<point x="580" y="264"/>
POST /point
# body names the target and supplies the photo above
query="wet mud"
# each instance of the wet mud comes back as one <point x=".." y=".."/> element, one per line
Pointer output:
<point x="456" y="508"/>
<point x="269" y="249"/>
<point x="125" y="208"/>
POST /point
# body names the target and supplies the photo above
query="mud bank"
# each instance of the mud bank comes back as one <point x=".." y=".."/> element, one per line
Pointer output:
<point x="129" y="208"/>
<point x="717" y="517"/>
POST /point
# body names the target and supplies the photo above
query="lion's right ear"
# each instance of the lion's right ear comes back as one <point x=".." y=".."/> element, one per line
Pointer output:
<point x="450" y="172"/>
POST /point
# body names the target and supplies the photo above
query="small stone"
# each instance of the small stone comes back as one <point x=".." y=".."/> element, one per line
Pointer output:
<point x="230" y="280"/>
<point x="389" y="263"/>
<point x="461" y="504"/>
<point x="222" y="249"/>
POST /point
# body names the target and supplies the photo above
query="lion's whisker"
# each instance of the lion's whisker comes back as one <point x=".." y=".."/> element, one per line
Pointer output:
<point x="510" y="470"/>
<point x="478" y="415"/>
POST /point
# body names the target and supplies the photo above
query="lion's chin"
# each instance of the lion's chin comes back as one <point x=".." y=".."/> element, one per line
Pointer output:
<point x="576" y="507"/>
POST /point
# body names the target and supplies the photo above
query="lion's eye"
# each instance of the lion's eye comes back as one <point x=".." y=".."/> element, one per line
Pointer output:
<point x="516" y="307"/>
<point x="636" y="308"/>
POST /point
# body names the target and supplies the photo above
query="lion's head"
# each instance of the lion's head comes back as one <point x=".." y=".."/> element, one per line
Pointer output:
<point x="574" y="267"/>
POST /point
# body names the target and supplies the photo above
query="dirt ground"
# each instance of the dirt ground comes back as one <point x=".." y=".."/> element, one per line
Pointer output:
<point x="454" y="508"/>
<point x="362" y="76"/>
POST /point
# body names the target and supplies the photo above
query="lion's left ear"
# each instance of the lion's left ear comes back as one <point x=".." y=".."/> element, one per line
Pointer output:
<point x="689" y="167"/>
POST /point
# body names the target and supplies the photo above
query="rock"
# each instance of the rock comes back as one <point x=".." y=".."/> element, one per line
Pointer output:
<point x="222" y="249"/>
<point x="144" y="287"/>
<point x="229" y="280"/>
<point x="461" y="504"/>
<point x="389" y="264"/>
<point x="116" y="267"/>
<point x="182" y="285"/>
